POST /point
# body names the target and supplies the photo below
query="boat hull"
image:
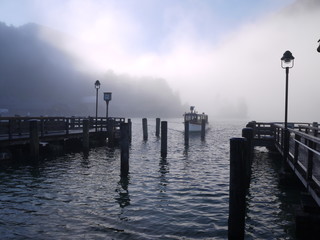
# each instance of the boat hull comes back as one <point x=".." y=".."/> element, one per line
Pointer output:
<point x="195" y="127"/>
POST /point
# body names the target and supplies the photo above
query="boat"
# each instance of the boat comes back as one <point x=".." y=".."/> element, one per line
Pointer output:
<point x="195" y="120"/>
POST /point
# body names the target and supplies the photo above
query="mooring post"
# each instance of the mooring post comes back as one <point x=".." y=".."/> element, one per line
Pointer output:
<point x="237" y="189"/>
<point x="145" y="129"/>
<point x="247" y="133"/>
<point x="186" y="133"/>
<point x="157" y="127"/>
<point x="34" y="140"/>
<point x="130" y="129"/>
<point x="203" y="129"/>
<point x="164" y="138"/>
<point x="124" y="145"/>
<point x="85" y="137"/>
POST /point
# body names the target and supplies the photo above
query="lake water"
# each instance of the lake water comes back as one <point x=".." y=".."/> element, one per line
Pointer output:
<point x="184" y="196"/>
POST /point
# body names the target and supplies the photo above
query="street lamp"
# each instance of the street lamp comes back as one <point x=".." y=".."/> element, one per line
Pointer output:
<point x="318" y="49"/>
<point x="107" y="98"/>
<point x="97" y="86"/>
<point x="287" y="61"/>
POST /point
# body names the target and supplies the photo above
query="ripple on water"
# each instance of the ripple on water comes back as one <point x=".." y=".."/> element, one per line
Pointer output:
<point x="184" y="196"/>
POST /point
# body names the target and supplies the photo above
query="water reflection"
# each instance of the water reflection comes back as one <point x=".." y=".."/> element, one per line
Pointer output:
<point x="122" y="189"/>
<point x="163" y="170"/>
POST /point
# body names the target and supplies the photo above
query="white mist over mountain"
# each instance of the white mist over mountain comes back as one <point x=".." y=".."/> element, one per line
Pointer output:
<point x="226" y="66"/>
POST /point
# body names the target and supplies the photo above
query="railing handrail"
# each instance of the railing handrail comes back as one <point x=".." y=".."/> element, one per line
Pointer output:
<point x="12" y="126"/>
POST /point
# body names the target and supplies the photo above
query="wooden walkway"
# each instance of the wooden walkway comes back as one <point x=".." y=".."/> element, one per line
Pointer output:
<point x="303" y="153"/>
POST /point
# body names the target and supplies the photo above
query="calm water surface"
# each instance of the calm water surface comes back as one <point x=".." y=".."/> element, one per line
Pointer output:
<point x="184" y="196"/>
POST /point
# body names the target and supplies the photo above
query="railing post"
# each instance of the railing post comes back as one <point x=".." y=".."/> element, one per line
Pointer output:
<point x="10" y="127"/>
<point x="310" y="161"/>
<point x="42" y="127"/>
<point x="67" y="125"/>
<point x="237" y="189"/>
<point x="315" y="131"/>
<point x="20" y="127"/>
<point x="34" y="140"/>
<point x="286" y="147"/>
<point x="296" y="149"/>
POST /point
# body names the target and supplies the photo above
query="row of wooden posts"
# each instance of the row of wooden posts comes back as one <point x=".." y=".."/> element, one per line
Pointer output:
<point x="124" y="142"/>
<point x="124" y="138"/>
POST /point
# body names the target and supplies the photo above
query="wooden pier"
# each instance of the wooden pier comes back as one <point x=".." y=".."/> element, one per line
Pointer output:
<point x="303" y="152"/>
<point x="17" y="131"/>
<point x="300" y="152"/>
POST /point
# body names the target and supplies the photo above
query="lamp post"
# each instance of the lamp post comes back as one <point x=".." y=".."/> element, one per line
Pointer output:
<point x="287" y="61"/>
<point x="97" y="86"/>
<point x="107" y="97"/>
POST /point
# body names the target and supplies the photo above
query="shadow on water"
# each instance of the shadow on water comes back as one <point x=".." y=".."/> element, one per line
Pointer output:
<point x="270" y="203"/>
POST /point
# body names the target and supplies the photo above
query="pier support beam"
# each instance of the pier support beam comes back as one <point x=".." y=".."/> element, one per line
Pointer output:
<point x="237" y="189"/>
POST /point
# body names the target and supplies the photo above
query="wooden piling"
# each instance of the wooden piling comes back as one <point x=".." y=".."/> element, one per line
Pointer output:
<point x="145" y="129"/>
<point x="237" y="189"/>
<point x="85" y="137"/>
<point x="157" y="127"/>
<point x="164" y="138"/>
<point x="186" y="133"/>
<point x="203" y="129"/>
<point x="124" y="146"/>
<point x="34" y="140"/>
<point x="130" y="129"/>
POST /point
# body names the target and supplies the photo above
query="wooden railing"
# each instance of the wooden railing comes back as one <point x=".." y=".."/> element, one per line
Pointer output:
<point x="11" y="127"/>
<point x="303" y="150"/>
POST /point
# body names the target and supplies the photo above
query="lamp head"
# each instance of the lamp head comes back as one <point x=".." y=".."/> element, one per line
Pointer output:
<point x="287" y="60"/>
<point x="318" y="49"/>
<point x="97" y="84"/>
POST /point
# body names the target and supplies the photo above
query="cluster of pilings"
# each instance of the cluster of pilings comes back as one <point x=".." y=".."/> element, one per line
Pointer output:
<point x="125" y="139"/>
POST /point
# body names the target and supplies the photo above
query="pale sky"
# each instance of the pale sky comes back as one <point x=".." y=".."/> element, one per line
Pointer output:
<point x="217" y="54"/>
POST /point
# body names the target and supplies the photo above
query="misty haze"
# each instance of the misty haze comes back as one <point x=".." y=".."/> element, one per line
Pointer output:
<point x="49" y="67"/>
<point x="228" y="95"/>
